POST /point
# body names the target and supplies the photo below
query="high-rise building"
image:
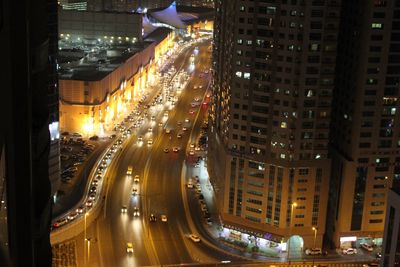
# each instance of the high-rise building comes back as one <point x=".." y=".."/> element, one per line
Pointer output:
<point x="365" y="127"/>
<point x="54" y="128"/>
<point x="391" y="240"/>
<point x="274" y="69"/>
<point x="24" y="136"/>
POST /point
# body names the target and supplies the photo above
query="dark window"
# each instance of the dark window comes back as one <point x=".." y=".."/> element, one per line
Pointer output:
<point x="358" y="202"/>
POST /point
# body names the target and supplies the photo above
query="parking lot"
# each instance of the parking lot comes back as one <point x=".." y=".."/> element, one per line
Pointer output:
<point x="74" y="152"/>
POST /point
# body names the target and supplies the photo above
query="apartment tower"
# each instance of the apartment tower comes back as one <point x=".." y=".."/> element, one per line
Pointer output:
<point x="274" y="69"/>
<point x="365" y="122"/>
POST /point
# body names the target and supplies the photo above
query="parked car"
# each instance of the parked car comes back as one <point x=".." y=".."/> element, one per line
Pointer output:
<point x="313" y="251"/>
<point x="367" y="247"/>
<point x="349" y="251"/>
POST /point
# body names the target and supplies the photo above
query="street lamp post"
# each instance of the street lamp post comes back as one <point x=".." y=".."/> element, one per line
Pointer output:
<point x="315" y="229"/>
<point x="84" y="240"/>
<point x="294" y="204"/>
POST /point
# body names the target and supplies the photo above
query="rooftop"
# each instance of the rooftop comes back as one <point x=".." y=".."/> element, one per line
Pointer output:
<point x="97" y="64"/>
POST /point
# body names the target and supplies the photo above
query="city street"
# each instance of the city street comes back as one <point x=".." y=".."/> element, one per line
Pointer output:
<point x="159" y="188"/>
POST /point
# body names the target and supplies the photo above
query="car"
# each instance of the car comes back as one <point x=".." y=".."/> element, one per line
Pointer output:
<point x="150" y="130"/>
<point x="79" y="209"/>
<point x="164" y="218"/>
<point x="92" y="196"/>
<point x="153" y="218"/>
<point x="89" y="203"/>
<point x="72" y="216"/>
<point x="349" y="251"/>
<point x="179" y="123"/>
<point x="191" y="112"/>
<point x="129" y="247"/>
<point x="184" y="128"/>
<point x="129" y="171"/>
<point x="195" y="87"/>
<point x="189" y="184"/>
<point x="192" y="145"/>
<point x="194" y="238"/>
<point x="136" y="212"/>
<point x="196" y="99"/>
<point x="175" y="149"/>
<point x="124" y="209"/>
<point x="179" y="136"/>
<point x="134" y="191"/>
<point x="160" y="124"/>
<point x="378" y="255"/>
<point x="166" y="150"/>
<point x="140" y="139"/>
<point x="150" y="142"/>
<point x="313" y="251"/>
<point x="187" y="120"/>
<point x="153" y="118"/>
<point x="367" y="247"/>
<point x="200" y="86"/>
<point x="191" y="152"/>
<point x="197" y="148"/>
<point x="136" y="179"/>
<point x="167" y="131"/>
<point x="204" y="208"/>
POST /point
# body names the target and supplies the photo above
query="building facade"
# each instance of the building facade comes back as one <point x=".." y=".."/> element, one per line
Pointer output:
<point x="106" y="27"/>
<point x="273" y="67"/>
<point x="391" y="245"/>
<point x="96" y="98"/>
<point x="365" y="122"/>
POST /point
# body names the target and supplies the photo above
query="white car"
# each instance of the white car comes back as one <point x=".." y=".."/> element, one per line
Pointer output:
<point x="164" y="218"/>
<point x="129" y="247"/>
<point x="124" y="209"/>
<point x="349" y="251"/>
<point x="150" y="142"/>
<point x="194" y="238"/>
<point x="367" y="247"/>
<point x="191" y="152"/>
<point x="136" y="179"/>
<point x="313" y="251"/>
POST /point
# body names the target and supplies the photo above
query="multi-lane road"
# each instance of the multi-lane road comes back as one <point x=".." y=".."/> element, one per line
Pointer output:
<point x="160" y="185"/>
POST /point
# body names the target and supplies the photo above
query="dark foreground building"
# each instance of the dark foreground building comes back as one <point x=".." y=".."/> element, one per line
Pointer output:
<point x="25" y="139"/>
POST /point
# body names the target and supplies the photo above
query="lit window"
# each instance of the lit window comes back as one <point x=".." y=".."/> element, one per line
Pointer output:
<point x="314" y="47"/>
<point x="377" y="26"/>
<point x="238" y="74"/>
<point x="242" y="8"/>
<point x="246" y="75"/>
<point x="310" y="93"/>
<point x="283" y="124"/>
<point x="249" y="42"/>
<point x="240" y="41"/>
<point x="392" y="111"/>
<point x="318" y="156"/>
<point x="283" y="156"/>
